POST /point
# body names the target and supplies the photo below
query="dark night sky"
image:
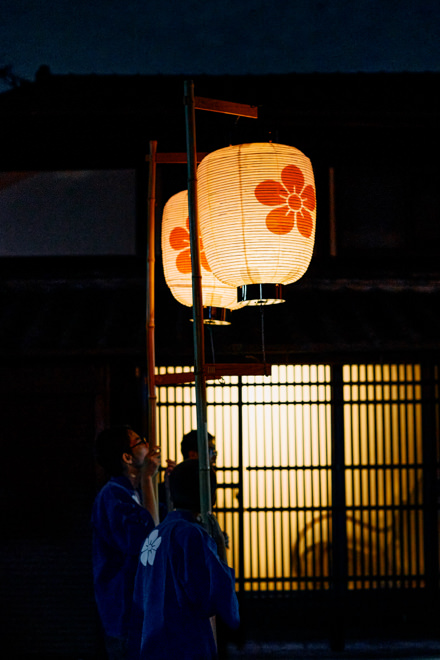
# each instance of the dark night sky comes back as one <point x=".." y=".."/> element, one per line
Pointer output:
<point x="193" y="37"/>
<point x="218" y="37"/>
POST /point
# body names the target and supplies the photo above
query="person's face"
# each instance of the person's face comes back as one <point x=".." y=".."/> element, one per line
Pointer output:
<point x="212" y="453"/>
<point x="139" y="448"/>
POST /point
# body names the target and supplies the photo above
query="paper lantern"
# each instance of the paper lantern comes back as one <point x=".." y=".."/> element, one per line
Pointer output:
<point x="176" y="256"/>
<point x="257" y="213"/>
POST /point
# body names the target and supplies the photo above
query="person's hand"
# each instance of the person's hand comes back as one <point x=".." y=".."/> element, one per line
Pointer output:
<point x="170" y="466"/>
<point x="152" y="462"/>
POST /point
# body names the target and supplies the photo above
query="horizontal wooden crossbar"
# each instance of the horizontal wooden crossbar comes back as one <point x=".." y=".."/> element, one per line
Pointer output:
<point x="214" y="372"/>
<point x="226" y="107"/>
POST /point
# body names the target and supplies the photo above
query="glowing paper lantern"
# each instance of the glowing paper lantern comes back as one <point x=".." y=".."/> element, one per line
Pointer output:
<point x="257" y="212"/>
<point x="176" y="257"/>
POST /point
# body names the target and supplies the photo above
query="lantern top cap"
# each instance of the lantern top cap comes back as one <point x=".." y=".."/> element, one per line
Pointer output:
<point x="254" y="148"/>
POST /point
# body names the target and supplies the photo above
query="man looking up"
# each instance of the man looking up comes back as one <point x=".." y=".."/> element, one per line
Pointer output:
<point x="190" y="449"/>
<point x="183" y="580"/>
<point x="124" y="513"/>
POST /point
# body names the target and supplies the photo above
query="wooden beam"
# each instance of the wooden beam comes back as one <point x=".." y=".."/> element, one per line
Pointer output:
<point x="226" y="107"/>
<point x="175" y="379"/>
<point x="214" y="372"/>
<point x="175" y="158"/>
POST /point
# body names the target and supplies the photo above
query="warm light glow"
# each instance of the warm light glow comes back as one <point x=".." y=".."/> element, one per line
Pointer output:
<point x="286" y="483"/>
<point x="383" y="457"/>
<point x="176" y="256"/>
<point x="257" y="212"/>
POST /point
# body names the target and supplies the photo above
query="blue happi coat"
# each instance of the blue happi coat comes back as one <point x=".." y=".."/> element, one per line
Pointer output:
<point x="120" y="525"/>
<point x="180" y="584"/>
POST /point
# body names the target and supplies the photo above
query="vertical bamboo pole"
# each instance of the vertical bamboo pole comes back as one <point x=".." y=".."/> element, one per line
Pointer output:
<point x="198" y="335"/>
<point x="150" y="320"/>
<point x="339" y="513"/>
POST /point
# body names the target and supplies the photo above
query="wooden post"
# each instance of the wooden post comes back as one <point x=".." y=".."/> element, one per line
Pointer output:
<point x="339" y="513"/>
<point x="150" y="320"/>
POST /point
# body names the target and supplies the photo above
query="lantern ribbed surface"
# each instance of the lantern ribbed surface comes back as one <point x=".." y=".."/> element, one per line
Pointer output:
<point x="176" y="257"/>
<point x="257" y="213"/>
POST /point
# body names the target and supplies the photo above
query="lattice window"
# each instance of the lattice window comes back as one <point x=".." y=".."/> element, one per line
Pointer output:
<point x="274" y="470"/>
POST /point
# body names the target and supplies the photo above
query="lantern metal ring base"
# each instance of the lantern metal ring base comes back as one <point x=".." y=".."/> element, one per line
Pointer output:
<point x="259" y="294"/>
<point x="216" y="316"/>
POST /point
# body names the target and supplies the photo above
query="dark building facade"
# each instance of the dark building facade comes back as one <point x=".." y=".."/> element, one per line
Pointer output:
<point x="354" y="391"/>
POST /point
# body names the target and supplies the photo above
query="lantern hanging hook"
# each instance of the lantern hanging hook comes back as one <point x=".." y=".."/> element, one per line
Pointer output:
<point x="233" y="129"/>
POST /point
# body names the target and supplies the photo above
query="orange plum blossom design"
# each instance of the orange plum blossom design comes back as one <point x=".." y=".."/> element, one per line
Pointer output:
<point x="179" y="240"/>
<point x="293" y="201"/>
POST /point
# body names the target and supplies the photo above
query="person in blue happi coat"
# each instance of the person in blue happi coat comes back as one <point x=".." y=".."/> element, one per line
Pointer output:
<point x="183" y="580"/>
<point x="124" y="512"/>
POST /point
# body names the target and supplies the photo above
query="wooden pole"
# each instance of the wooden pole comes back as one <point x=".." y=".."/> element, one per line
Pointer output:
<point x="150" y="320"/>
<point x="198" y="334"/>
<point x="339" y="514"/>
